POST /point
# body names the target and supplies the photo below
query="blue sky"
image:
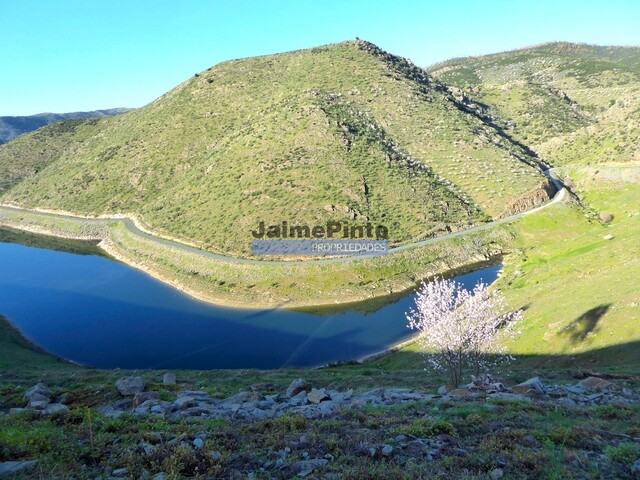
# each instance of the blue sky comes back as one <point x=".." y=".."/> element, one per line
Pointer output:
<point x="70" y="55"/>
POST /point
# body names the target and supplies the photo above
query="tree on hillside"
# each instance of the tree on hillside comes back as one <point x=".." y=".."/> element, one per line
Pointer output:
<point x="458" y="327"/>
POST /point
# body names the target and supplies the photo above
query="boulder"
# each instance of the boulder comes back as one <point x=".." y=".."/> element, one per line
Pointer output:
<point x="142" y="397"/>
<point x="237" y="398"/>
<point x="297" y="386"/>
<point x="182" y="403"/>
<point x="169" y="379"/>
<point x="8" y="469"/>
<point x="54" y="408"/>
<point x="495" y="474"/>
<point x="594" y="384"/>
<point x="317" y="395"/>
<point x="386" y="450"/>
<point x="299" y="399"/>
<point x="532" y="384"/>
<point x="129" y="386"/>
<point x="38" y="392"/>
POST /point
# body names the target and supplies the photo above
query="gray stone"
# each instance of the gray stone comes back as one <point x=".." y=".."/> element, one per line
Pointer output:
<point x="305" y="467"/>
<point x="495" y="474"/>
<point x="443" y="390"/>
<point x="38" y="404"/>
<point x="240" y="398"/>
<point x="400" y="438"/>
<point x="183" y="403"/>
<point x="109" y="411"/>
<point x="372" y="451"/>
<point x="120" y="472"/>
<point x="532" y="384"/>
<point x="567" y="403"/>
<point x="299" y="399"/>
<point x="216" y="456"/>
<point x="37" y="392"/>
<point x="595" y="384"/>
<point x="129" y="386"/>
<point x="54" y="408"/>
<point x="198" y="443"/>
<point x="387" y="450"/>
<point x="317" y="395"/>
<point x="635" y="468"/>
<point x="18" y="410"/>
<point x="297" y="386"/>
<point x="160" y="476"/>
<point x="8" y="469"/>
<point x="148" y="449"/>
<point x="142" y="397"/>
<point x="169" y="379"/>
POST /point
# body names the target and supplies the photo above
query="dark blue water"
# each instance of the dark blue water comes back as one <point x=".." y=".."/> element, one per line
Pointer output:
<point x="101" y="313"/>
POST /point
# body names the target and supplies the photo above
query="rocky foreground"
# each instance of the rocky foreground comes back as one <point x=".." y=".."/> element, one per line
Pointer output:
<point x="395" y="428"/>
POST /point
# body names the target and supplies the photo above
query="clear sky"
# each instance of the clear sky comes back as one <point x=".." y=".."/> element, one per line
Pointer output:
<point x="72" y="55"/>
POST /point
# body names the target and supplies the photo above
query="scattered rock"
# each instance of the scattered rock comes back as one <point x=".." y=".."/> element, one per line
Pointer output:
<point x="198" y="443"/>
<point x="54" y="408"/>
<point x="183" y="403"/>
<point x="317" y="395"/>
<point x="38" y="392"/>
<point x="594" y="384"/>
<point x="495" y="474"/>
<point x="128" y="386"/>
<point x="532" y="384"/>
<point x="297" y="386"/>
<point x="120" y="472"/>
<point x="142" y="397"/>
<point x="216" y="455"/>
<point x="8" y="469"/>
<point x="387" y="450"/>
<point x="608" y="237"/>
<point x="443" y="390"/>
<point x="635" y="468"/>
<point x="169" y="379"/>
<point x="305" y="467"/>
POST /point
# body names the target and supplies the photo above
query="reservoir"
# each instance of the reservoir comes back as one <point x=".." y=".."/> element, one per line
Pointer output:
<point x="70" y="299"/>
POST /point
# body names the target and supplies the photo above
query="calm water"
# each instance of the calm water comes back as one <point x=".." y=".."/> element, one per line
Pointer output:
<point x="90" y="309"/>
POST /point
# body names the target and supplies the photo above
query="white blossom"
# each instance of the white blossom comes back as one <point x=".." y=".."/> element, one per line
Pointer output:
<point x="458" y="327"/>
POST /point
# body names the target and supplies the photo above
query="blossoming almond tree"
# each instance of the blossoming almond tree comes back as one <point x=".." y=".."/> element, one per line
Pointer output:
<point x="458" y="327"/>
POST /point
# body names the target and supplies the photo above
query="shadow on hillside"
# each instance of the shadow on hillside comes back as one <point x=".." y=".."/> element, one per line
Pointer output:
<point x="587" y="323"/>
<point x="623" y="357"/>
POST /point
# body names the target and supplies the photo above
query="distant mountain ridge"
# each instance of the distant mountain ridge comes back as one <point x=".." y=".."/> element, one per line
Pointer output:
<point x="13" y="126"/>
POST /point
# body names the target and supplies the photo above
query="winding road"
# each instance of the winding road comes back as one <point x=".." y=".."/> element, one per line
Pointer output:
<point x="134" y="229"/>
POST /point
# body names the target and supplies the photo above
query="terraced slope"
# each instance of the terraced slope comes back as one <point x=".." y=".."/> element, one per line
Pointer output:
<point x="572" y="103"/>
<point x="343" y="132"/>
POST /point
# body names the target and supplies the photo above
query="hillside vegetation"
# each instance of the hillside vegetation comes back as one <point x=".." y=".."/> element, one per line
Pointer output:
<point x="344" y="132"/>
<point x="571" y="103"/>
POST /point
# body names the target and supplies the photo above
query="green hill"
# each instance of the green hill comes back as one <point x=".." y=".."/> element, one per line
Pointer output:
<point x="572" y="103"/>
<point x="340" y="132"/>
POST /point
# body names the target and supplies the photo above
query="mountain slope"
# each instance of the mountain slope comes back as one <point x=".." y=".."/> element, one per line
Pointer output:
<point x="572" y="103"/>
<point x="11" y="127"/>
<point x="343" y="132"/>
